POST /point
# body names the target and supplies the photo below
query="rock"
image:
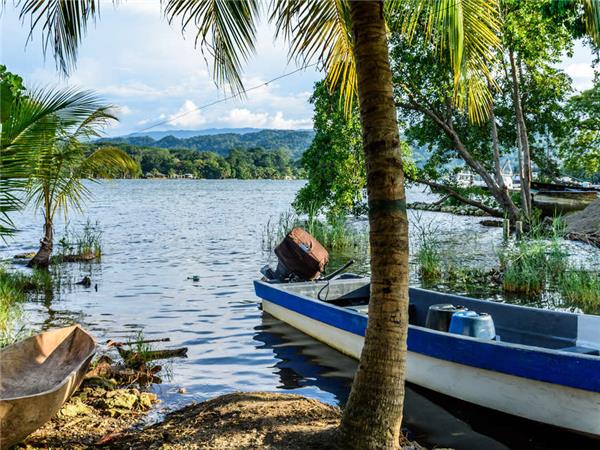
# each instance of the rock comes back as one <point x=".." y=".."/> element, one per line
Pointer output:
<point x="585" y="225"/>
<point x="27" y="255"/>
<point x="75" y="408"/>
<point x="120" y="399"/>
<point x="147" y="399"/>
<point x="85" y="282"/>
<point x="491" y="223"/>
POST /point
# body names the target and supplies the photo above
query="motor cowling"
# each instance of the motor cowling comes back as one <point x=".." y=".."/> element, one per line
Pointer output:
<point x="302" y="255"/>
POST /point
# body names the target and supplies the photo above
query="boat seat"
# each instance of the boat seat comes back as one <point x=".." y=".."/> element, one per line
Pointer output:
<point x="581" y="350"/>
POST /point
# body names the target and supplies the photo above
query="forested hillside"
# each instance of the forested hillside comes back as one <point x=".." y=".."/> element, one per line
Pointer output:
<point x="253" y="163"/>
<point x="294" y="141"/>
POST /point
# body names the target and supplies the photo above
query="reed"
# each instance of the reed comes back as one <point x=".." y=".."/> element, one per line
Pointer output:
<point x="85" y="244"/>
<point x="335" y="232"/>
<point x="13" y="292"/>
<point x="581" y="289"/>
<point x="427" y="253"/>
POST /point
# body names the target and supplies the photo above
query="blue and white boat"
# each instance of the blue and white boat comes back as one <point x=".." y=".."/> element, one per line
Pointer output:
<point x="539" y="364"/>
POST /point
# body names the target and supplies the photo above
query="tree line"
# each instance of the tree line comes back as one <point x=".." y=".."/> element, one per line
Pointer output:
<point x="253" y="163"/>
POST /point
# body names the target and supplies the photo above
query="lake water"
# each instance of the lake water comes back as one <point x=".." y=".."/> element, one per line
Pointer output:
<point x="160" y="233"/>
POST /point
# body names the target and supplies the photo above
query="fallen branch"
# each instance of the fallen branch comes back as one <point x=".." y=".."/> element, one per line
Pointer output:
<point x="451" y="192"/>
<point x="111" y="343"/>
<point x="133" y="359"/>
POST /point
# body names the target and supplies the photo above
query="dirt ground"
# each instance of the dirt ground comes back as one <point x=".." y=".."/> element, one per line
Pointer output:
<point x="243" y="420"/>
<point x="249" y="420"/>
<point x="92" y="415"/>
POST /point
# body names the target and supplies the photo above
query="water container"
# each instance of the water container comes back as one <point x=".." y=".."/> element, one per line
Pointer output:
<point x="474" y="324"/>
<point x="439" y="316"/>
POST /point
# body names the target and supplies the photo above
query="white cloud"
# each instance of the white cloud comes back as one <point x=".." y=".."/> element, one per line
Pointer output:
<point x="124" y="110"/>
<point x="278" y="121"/>
<point x="187" y="116"/>
<point x="582" y="74"/>
<point x="242" y="117"/>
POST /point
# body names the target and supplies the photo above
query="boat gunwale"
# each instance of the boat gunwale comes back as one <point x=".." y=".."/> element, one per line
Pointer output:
<point x="529" y="350"/>
<point x="70" y="375"/>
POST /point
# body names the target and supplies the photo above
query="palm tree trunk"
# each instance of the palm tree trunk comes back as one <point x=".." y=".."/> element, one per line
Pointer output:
<point x="524" y="155"/>
<point x="42" y="257"/>
<point x="373" y="414"/>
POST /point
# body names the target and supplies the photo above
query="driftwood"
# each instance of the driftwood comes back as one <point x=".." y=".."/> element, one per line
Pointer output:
<point x="82" y="257"/>
<point x="105" y="369"/>
<point x="133" y="359"/>
<point x="111" y="343"/>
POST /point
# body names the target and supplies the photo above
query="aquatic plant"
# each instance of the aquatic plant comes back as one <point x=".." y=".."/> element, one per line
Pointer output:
<point x="581" y="289"/>
<point x="428" y="254"/>
<point x="531" y="262"/>
<point x="83" y="245"/>
<point x="14" y="288"/>
<point x="523" y="266"/>
<point x="335" y="232"/>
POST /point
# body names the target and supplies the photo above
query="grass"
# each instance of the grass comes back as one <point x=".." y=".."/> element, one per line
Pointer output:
<point x="335" y="233"/>
<point x="428" y="255"/>
<point x="137" y="345"/>
<point x="581" y="288"/>
<point x="14" y="290"/>
<point x="530" y="264"/>
<point x="87" y="243"/>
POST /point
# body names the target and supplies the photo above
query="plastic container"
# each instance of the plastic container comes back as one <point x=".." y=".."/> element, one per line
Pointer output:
<point x="474" y="324"/>
<point x="439" y="316"/>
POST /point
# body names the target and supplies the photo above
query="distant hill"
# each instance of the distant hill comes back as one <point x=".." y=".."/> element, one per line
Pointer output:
<point x="295" y="141"/>
<point x="181" y="134"/>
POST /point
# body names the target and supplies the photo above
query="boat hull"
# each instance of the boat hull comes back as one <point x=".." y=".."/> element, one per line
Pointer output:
<point x="562" y="202"/>
<point x="561" y="406"/>
<point x="21" y="413"/>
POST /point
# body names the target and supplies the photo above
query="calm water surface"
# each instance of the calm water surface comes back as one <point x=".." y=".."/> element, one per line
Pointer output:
<point x="158" y="234"/>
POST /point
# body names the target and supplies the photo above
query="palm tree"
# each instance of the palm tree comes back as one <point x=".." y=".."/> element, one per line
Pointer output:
<point x="61" y="164"/>
<point x="349" y="39"/>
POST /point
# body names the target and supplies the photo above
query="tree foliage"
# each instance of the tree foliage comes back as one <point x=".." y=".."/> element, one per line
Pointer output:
<point x="334" y="163"/>
<point x="253" y="163"/>
<point x="580" y="148"/>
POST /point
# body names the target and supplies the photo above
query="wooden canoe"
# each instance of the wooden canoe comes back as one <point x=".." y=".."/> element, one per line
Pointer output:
<point x="37" y="375"/>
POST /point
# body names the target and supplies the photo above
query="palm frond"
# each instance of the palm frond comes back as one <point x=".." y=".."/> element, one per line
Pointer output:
<point x="107" y="162"/>
<point x="320" y="30"/>
<point x="30" y="123"/>
<point x="226" y="30"/>
<point x="63" y="24"/>
<point x="465" y="32"/>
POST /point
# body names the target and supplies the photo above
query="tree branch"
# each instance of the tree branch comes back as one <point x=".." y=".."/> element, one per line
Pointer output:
<point x="451" y="192"/>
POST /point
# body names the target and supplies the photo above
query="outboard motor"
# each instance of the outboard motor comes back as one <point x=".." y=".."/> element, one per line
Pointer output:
<point x="300" y="258"/>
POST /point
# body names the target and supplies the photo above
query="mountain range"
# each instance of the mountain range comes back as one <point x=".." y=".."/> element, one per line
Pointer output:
<point x="221" y="140"/>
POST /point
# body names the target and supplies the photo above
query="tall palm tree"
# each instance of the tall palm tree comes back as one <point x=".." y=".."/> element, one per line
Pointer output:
<point x="349" y="39"/>
<point x="61" y="164"/>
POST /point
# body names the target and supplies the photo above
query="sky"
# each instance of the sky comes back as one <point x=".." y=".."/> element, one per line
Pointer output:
<point x="136" y="61"/>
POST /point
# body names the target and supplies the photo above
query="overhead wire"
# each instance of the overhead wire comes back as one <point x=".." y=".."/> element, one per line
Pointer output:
<point x="221" y="100"/>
